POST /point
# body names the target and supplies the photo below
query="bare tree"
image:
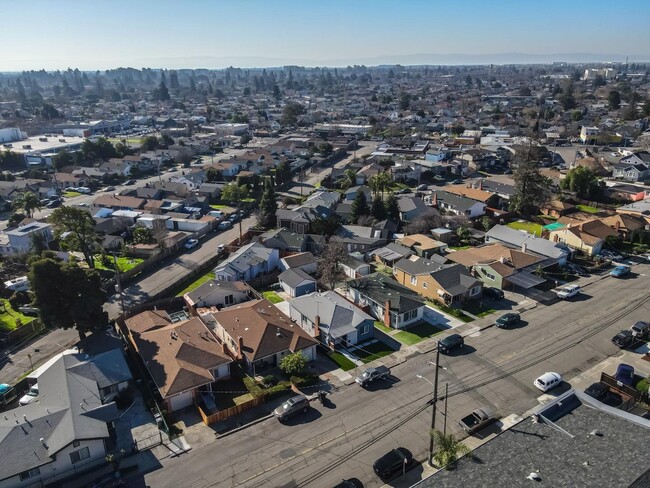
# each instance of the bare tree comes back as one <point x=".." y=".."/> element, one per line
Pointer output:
<point x="329" y="271"/>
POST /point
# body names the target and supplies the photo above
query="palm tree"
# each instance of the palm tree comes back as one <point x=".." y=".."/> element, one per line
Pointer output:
<point x="449" y="449"/>
<point x="28" y="202"/>
<point x="381" y="181"/>
<point x="349" y="179"/>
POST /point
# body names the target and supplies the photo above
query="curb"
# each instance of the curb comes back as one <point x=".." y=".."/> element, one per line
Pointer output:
<point x="226" y="433"/>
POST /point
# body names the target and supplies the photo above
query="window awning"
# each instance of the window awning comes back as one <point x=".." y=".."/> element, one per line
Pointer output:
<point x="525" y="279"/>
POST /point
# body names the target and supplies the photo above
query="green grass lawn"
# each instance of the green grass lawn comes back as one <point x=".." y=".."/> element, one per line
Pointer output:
<point x="225" y="208"/>
<point x="196" y="283"/>
<point x="9" y="316"/>
<point x="248" y="200"/>
<point x="123" y="263"/>
<point x="459" y="248"/>
<point x="382" y="327"/>
<point x="417" y="333"/>
<point x="475" y="308"/>
<point x="71" y="194"/>
<point x="587" y="209"/>
<point x="373" y="351"/>
<point x="272" y="296"/>
<point x="454" y="312"/>
<point x="129" y="140"/>
<point x="342" y="362"/>
<point x="529" y="227"/>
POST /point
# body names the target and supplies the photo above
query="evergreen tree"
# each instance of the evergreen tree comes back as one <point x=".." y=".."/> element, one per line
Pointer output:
<point x="532" y="188"/>
<point x="359" y="206"/>
<point x="268" y="205"/>
<point x="392" y="208"/>
<point x="378" y="208"/>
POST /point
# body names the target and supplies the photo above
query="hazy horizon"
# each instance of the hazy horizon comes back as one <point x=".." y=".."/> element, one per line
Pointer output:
<point x="252" y="33"/>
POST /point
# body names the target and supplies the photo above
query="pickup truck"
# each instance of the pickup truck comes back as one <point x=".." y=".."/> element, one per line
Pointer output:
<point x="476" y="420"/>
<point x="372" y="374"/>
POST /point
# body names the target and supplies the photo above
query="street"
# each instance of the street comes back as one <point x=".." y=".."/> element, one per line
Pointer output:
<point x="496" y="368"/>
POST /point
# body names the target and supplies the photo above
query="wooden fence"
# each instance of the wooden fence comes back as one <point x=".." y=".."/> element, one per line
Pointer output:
<point x="229" y="412"/>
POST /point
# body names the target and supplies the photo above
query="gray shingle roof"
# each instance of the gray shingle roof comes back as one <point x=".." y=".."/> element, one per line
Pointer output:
<point x="518" y="238"/>
<point x="381" y="288"/>
<point x="455" y="201"/>
<point x="455" y="279"/>
<point x="421" y="266"/>
<point x="294" y="277"/>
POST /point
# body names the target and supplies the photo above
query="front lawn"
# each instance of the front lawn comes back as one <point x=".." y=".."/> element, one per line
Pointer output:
<point x="382" y="327"/>
<point x="196" y="283"/>
<point x="71" y="194"/>
<point x="587" y="209"/>
<point x="9" y="316"/>
<point x="373" y="351"/>
<point x="272" y="296"/>
<point x="476" y="307"/>
<point x="123" y="263"/>
<point x="417" y="333"/>
<point x="454" y="312"/>
<point x="529" y="227"/>
<point x="341" y="361"/>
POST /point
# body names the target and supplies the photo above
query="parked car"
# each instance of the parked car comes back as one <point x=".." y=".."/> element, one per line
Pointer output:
<point x="625" y="374"/>
<point x="4" y="388"/>
<point x="371" y="374"/>
<point x="597" y="390"/>
<point x="476" y="420"/>
<point x="108" y="188"/>
<point x="508" y="320"/>
<point x="233" y="218"/>
<point x="620" y="271"/>
<point x="623" y="339"/>
<point x="225" y="225"/>
<point x="493" y="293"/>
<point x="641" y="330"/>
<point x="611" y="255"/>
<point x="129" y="182"/>
<point x="450" y="343"/>
<point x="393" y="462"/>
<point x="293" y="406"/>
<point x="30" y="397"/>
<point x="548" y="381"/>
<point x="53" y="204"/>
<point x="568" y="291"/>
<point x="350" y="483"/>
<point x="221" y="247"/>
<point x="191" y="243"/>
<point x="84" y="190"/>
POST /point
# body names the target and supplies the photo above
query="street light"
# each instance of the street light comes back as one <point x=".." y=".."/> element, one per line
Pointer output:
<point x="435" y="398"/>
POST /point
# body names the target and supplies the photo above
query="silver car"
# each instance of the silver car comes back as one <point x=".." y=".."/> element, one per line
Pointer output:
<point x="291" y="407"/>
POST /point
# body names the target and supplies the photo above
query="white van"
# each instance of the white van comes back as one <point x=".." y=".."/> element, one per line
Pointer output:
<point x="217" y="214"/>
<point x="17" y="284"/>
<point x="83" y="189"/>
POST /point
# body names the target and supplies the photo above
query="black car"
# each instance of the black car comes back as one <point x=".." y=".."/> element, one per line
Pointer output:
<point x="451" y="342"/>
<point x="597" y="390"/>
<point x="494" y="293"/>
<point x="393" y="462"/>
<point x="53" y="204"/>
<point x="350" y="483"/>
<point x="623" y="339"/>
<point x="129" y="182"/>
<point x="508" y="320"/>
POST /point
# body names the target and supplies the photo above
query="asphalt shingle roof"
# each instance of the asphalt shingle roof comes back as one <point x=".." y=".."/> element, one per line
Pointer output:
<point x="381" y="288"/>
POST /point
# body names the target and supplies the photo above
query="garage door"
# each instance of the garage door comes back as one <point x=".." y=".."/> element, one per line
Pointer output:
<point x="180" y="401"/>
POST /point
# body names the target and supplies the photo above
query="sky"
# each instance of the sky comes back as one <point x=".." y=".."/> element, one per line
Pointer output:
<point x="89" y="35"/>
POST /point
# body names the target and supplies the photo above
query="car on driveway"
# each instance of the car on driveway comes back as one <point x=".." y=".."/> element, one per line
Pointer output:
<point x="548" y="381"/>
<point x="568" y="291"/>
<point x="30" y="397"/>
<point x="450" y="343"/>
<point x="293" y="406"/>
<point x="597" y="390"/>
<point x="493" y="293"/>
<point x="191" y="243"/>
<point x="611" y="255"/>
<point x="4" y="388"/>
<point x="623" y="339"/>
<point x="393" y="462"/>
<point x="620" y="271"/>
<point x="508" y="320"/>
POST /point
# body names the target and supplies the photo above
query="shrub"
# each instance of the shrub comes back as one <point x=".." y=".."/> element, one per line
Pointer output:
<point x="642" y="387"/>
<point x="18" y="299"/>
<point x="294" y="363"/>
<point x="269" y="381"/>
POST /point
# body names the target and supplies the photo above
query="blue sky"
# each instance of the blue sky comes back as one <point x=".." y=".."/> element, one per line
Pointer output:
<point x="215" y="33"/>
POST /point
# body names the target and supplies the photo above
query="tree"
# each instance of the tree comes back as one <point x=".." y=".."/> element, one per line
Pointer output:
<point x="325" y="226"/>
<point x="359" y="206"/>
<point x="424" y="223"/>
<point x="149" y="143"/>
<point x="449" y="449"/>
<point x="486" y="223"/>
<point x="614" y="100"/>
<point x="294" y="363"/>
<point x="291" y="112"/>
<point x="567" y="99"/>
<point x="329" y="271"/>
<point x="583" y="181"/>
<point x="233" y="192"/>
<point x="283" y="172"/>
<point x="326" y="149"/>
<point x="392" y="208"/>
<point x="79" y="298"/>
<point x="213" y="174"/>
<point x="532" y="188"/>
<point x="245" y="139"/>
<point x="79" y="227"/>
<point x="380" y="182"/>
<point x="143" y="235"/>
<point x="268" y="205"/>
<point x="28" y="202"/>
<point x="378" y="209"/>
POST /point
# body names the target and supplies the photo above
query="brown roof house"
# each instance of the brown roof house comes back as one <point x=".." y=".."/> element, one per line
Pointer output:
<point x="183" y="358"/>
<point x="587" y="237"/>
<point x="260" y="334"/>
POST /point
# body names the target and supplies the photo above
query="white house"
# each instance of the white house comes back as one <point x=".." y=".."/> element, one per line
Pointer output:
<point x="250" y="261"/>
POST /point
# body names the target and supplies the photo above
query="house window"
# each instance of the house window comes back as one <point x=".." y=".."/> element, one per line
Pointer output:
<point x="366" y="329"/>
<point x="475" y="291"/>
<point x="80" y="455"/>
<point x="489" y="276"/>
<point x="30" y="473"/>
<point x="75" y="443"/>
<point x="229" y="299"/>
<point x="414" y="280"/>
<point x="425" y="285"/>
<point x="109" y="390"/>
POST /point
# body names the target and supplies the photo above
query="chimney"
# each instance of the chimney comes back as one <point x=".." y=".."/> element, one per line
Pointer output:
<point x="240" y="343"/>
<point x="387" y="313"/>
<point x="316" y="325"/>
<point x="480" y="184"/>
<point x="524" y="247"/>
<point x="434" y="202"/>
<point x="617" y="225"/>
<point x="224" y="348"/>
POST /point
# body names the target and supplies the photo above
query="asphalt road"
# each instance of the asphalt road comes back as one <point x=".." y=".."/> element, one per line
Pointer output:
<point x="496" y="368"/>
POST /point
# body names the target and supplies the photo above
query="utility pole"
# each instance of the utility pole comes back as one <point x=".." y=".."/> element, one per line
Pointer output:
<point x="444" y="425"/>
<point x="118" y="286"/>
<point x="238" y="211"/>
<point x="435" y="401"/>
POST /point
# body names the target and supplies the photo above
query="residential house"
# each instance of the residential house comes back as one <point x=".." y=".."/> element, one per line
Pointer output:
<point x="21" y="239"/>
<point x="503" y="190"/>
<point x="391" y="253"/>
<point x="422" y="245"/>
<point x="353" y="265"/>
<point x="556" y="208"/>
<point x="589" y="135"/>
<point x="588" y="237"/>
<point x="500" y="266"/>
<point x="261" y="335"/>
<point x="627" y="225"/>
<point x="285" y="241"/>
<point x="183" y="358"/>
<point x="450" y="283"/>
<point x="360" y="238"/>
<point x="351" y="194"/>
<point x="525" y="241"/>
<point x="305" y="261"/>
<point x="629" y="193"/>
<point x="250" y="261"/>
<point x="389" y="302"/>
<point x="219" y="294"/>
<point x="456" y="204"/>
<point x="116" y="167"/>
<point x="410" y="208"/>
<point x="118" y="202"/>
<point x="68" y="431"/>
<point x="210" y="190"/>
<point x="296" y="283"/>
<point x="635" y="167"/>
<point x="474" y="193"/>
<point x="331" y="318"/>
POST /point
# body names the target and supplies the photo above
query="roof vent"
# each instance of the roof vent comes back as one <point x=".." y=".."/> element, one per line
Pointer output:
<point x="278" y="332"/>
<point x="597" y="433"/>
<point x="534" y="476"/>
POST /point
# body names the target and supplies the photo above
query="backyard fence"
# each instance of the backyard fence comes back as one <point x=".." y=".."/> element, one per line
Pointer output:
<point x="229" y="412"/>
